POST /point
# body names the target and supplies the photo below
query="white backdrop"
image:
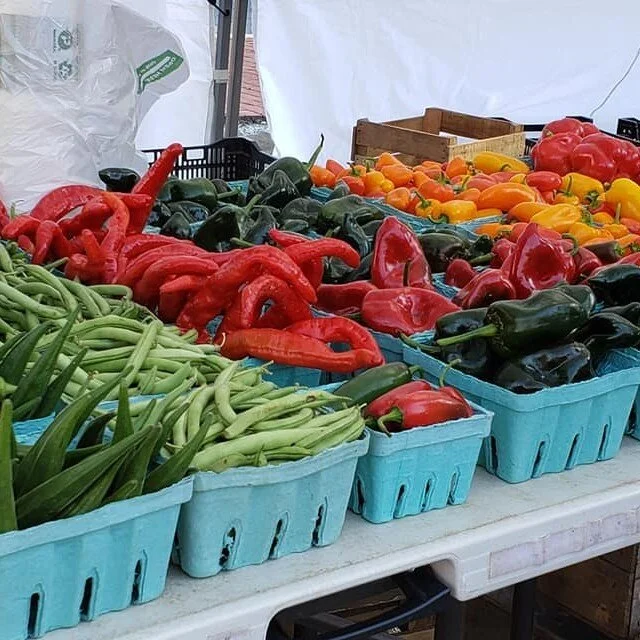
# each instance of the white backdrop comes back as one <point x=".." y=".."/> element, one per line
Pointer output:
<point x="325" y="64"/>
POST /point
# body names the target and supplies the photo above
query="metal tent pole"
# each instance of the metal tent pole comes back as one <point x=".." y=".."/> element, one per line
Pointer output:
<point x="237" y="58"/>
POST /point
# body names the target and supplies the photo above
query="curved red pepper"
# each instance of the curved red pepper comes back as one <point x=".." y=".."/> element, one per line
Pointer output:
<point x="459" y="273"/>
<point x="92" y="216"/>
<point x="304" y="252"/>
<point x="4" y="215"/>
<point x="405" y="310"/>
<point x="386" y="401"/>
<point x="586" y="262"/>
<point x="57" y="203"/>
<point x="24" y="225"/>
<point x="488" y="286"/>
<point x="343" y="299"/>
<point x="501" y="250"/>
<point x="25" y="243"/>
<point x="313" y="269"/>
<point x="50" y="243"/>
<point x="396" y="246"/>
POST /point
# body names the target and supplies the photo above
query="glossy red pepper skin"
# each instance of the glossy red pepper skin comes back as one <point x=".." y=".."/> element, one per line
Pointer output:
<point x="174" y="295"/>
<point x="427" y="408"/>
<point x="343" y="299"/>
<point x="295" y="350"/>
<point x="488" y="286"/>
<point x="586" y="262"/>
<point x="591" y="159"/>
<point x="386" y="401"/>
<point x="304" y="252"/>
<point x="564" y="125"/>
<point x="199" y="310"/>
<point x="57" y="203"/>
<point x="553" y="153"/>
<point x="459" y="273"/>
<point x="92" y="216"/>
<point x="539" y="263"/>
<point x="50" y="243"/>
<point x="24" y="225"/>
<point x="544" y="180"/>
<point x="501" y="250"/>
<point x="406" y="310"/>
<point x="312" y="269"/>
<point x="131" y="272"/>
<point x="4" y="215"/>
<point x="395" y="246"/>
<point x="25" y="243"/>
<point x="632" y="258"/>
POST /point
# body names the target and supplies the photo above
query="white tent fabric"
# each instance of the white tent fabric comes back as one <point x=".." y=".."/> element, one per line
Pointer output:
<point x="325" y="64"/>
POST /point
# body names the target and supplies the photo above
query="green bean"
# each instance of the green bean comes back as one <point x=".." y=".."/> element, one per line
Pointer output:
<point x="222" y="398"/>
<point x="6" y="328"/>
<point x="29" y="304"/>
<point x="200" y="399"/>
<point x="175" y="379"/>
<point x="337" y="438"/>
<point x="298" y="419"/>
<point x="95" y="357"/>
<point x="250" y="377"/>
<point x="39" y="288"/>
<point x="179" y="437"/>
<point x="177" y="354"/>
<point x="286" y="454"/>
<point x="251" y="393"/>
<point x="6" y="264"/>
<point x="214" y="430"/>
<point x="112" y="291"/>
<point x="41" y="274"/>
<point x="342" y="421"/>
<point x="167" y="402"/>
<point x="148" y="381"/>
<point x="281" y="392"/>
<point x="229" y="462"/>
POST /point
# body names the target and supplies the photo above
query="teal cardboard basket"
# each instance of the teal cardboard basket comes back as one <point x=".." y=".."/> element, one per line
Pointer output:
<point x="420" y="469"/>
<point x="60" y="573"/>
<point x="250" y="515"/>
<point x="554" y="429"/>
<point x="28" y="431"/>
<point x="633" y="428"/>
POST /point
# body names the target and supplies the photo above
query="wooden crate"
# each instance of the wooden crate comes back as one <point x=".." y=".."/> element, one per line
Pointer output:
<point x="421" y="138"/>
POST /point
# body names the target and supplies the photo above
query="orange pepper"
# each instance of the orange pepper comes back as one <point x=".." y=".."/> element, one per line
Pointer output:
<point x="399" y="198"/>
<point x="583" y="232"/>
<point x="372" y="181"/>
<point x="353" y="170"/>
<point x="456" y="167"/>
<point x="386" y="159"/>
<point x="322" y="177"/>
<point x="602" y="217"/>
<point x="436" y="190"/>
<point x="427" y="208"/>
<point x="335" y="167"/>
<point x="430" y="164"/>
<point x="461" y="180"/>
<point x="431" y="172"/>
<point x="398" y="174"/>
<point x="505" y="196"/>
<point x="480" y="181"/>
<point x="355" y="184"/>
<point x="566" y="198"/>
<point x="493" y="229"/>
<point x="486" y="213"/>
<point x="456" y="212"/>
<point x="524" y="211"/>
<point x="559" y="217"/>
<point x="419" y="178"/>
<point x="617" y="230"/>
<point x="469" y="194"/>
<point x="630" y="243"/>
<point x="386" y="186"/>
<point x="520" y="178"/>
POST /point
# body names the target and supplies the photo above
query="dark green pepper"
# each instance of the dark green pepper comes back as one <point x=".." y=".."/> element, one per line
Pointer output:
<point x="295" y="226"/>
<point x="515" y="327"/>
<point x="159" y="214"/>
<point x="306" y="209"/>
<point x="481" y="246"/>
<point x="335" y="271"/>
<point x="176" y="207"/>
<point x="580" y="293"/>
<point x="177" y="226"/>
<point x="372" y="383"/>
<point x="254" y="188"/>
<point x="617" y="284"/>
<point x="200" y="190"/>
<point x="340" y="191"/>
<point x="607" y="252"/>
<point x="192" y="210"/>
<point x="296" y="171"/>
<point x="351" y="232"/>
<point x="119" y="179"/>
<point x="235" y="196"/>
<point x="630" y="312"/>
<point x="333" y="212"/>
<point x="371" y="229"/>
<point x="280" y="192"/>
<point x="551" y="367"/>
<point x="442" y="248"/>
<point x="264" y="221"/>
<point x="606" y="330"/>
<point x="166" y="193"/>
<point x="363" y="272"/>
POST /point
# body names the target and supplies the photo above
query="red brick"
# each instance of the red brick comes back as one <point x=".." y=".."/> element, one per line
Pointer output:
<point x="251" y="103"/>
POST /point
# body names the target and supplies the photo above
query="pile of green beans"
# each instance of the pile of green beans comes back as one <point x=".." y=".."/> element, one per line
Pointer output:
<point x="252" y="422"/>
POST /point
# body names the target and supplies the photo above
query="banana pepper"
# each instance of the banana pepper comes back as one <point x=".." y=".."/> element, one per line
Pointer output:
<point x="583" y="232"/>
<point x="559" y="217"/>
<point x="587" y="189"/>
<point x="624" y="196"/>
<point x="490" y="162"/>
<point x="456" y="211"/>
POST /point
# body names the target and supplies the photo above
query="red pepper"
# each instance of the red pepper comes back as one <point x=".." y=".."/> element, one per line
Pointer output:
<point x="174" y="294"/>
<point x="81" y="268"/>
<point x="24" y="225"/>
<point x="258" y="260"/>
<point x="426" y="408"/>
<point x="539" y="263"/>
<point x="553" y="153"/>
<point x="459" y="273"/>
<point x="488" y="286"/>
<point x="340" y="330"/>
<point x="4" y="215"/>
<point x="199" y="310"/>
<point x="631" y="224"/>
<point x="386" y="401"/>
<point x="343" y="299"/>
<point x="147" y="289"/>
<point x="50" y="243"/>
<point x="25" y="243"/>
<point x="564" y="125"/>
<point x="501" y="250"/>
<point x="632" y="258"/>
<point x="286" y="238"/>
<point x="586" y="262"/>
<point x="246" y="309"/>
<point x="395" y="246"/>
<point x="406" y="310"/>
<point x="594" y="158"/>
<point x="92" y="247"/>
<point x="313" y="269"/>
<point x="61" y="201"/>
<point x="92" y="216"/>
<point x="304" y="252"/>
<point x="152" y="181"/>
<point x="544" y="180"/>
<point x="136" y="244"/>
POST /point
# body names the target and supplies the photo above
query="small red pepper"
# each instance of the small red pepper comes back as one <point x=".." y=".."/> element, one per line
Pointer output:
<point x="312" y="269"/>
<point x="304" y="252"/>
<point x="286" y="238"/>
<point x="343" y="299"/>
<point x="24" y="225"/>
<point x="459" y="273"/>
<point x="426" y="408"/>
<point x="565" y="125"/>
<point x="4" y="215"/>
<point x="50" y="243"/>
<point x="539" y="263"/>
<point x="25" y="243"/>
<point x="386" y="401"/>
<point x="501" y="250"/>
<point x="544" y="180"/>
<point x="174" y="295"/>
<point x="405" y="310"/>
<point x="488" y="286"/>
<point x="586" y="262"/>
<point x="396" y="246"/>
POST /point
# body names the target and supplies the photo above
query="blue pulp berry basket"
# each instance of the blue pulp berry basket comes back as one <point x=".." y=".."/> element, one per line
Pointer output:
<point x="550" y="430"/>
<point x="28" y="431"/>
<point x="419" y="470"/>
<point x="633" y="428"/>
<point x="60" y="573"/>
<point x="250" y="515"/>
<point x="442" y="287"/>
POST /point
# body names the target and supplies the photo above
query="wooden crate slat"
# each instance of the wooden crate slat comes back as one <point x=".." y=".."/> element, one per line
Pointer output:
<point x="477" y="127"/>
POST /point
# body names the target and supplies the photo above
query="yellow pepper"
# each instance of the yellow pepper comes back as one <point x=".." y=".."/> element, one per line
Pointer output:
<point x="524" y="211"/>
<point x="602" y="217"/>
<point x="587" y="189"/>
<point x="487" y="213"/>
<point x="583" y="232"/>
<point x="519" y="177"/>
<point x="566" y="198"/>
<point x="624" y="195"/>
<point x="559" y="217"/>
<point x="456" y="211"/>
<point x="493" y="229"/>
<point x="490" y="162"/>
<point x="616" y="230"/>
<point x="427" y="208"/>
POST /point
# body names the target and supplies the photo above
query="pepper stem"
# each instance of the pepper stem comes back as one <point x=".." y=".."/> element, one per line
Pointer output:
<point x="576" y="244"/>
<point x="316" y="153"/>
<point x="239" y="242"/>
<point x="445" y="371"/>
<point x="483" y="259"/>
<point x="228" y="194"/>
<point x="616" y="218"/>
<point x="443" y="218"/>
<point x="417" y="345"/>
<point x="253" y="202"/>
<point x="488" y="331"/>
<point x="395" y="415"/>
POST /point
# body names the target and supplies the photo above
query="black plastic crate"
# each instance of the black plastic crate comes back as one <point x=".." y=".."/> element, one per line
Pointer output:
<point x="228" y="159"/>
<point x="629" y="128"/>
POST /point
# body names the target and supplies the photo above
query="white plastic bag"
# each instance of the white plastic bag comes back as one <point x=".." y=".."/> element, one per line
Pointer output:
<point x="76" y="77"/>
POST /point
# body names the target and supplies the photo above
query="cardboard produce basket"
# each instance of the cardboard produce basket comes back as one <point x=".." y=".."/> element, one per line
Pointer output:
<point x="434" y="136"/>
